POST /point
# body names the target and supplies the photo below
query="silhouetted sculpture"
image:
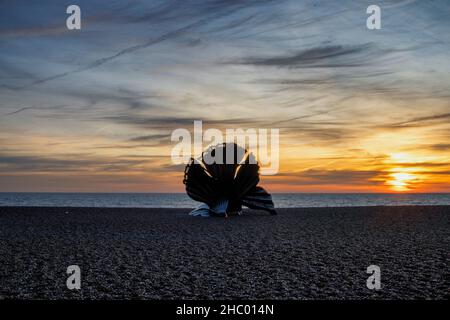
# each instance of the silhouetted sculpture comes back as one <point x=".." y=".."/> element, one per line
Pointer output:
<point x="224" y="186"/>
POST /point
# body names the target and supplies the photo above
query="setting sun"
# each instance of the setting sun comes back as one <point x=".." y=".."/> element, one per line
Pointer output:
<point x="401" y="181"/>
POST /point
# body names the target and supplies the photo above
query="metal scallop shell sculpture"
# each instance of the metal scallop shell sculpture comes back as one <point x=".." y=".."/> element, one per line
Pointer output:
<point x="224" y="186"/>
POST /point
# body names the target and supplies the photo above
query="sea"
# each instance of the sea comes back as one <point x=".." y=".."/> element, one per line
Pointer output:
<point x="181" y="200"/>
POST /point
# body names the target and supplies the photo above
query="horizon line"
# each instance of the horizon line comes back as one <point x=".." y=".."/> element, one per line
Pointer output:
<point x="125" y="192"/>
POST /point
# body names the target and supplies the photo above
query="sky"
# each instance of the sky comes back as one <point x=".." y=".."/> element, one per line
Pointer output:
<point x="92" y="110"/>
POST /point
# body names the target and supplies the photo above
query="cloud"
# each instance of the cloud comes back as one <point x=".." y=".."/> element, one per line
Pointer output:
<point x="99" y="62"/>
<point x="73" y="162"/>
<point x="418" y="121"/>
<point x="209" y="11"/>
<point x="41" y="108"/>
<point x="332" y="177"/>
<point x="151" y="138"/>
<point x="439" y="146"/>
<point x="435" y="117"/>
<point x="336" y="56"/>
<point x="420" y="164"/>
<point x="171" y="122"/>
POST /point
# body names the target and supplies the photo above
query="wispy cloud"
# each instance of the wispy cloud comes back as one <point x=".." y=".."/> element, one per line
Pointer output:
<point x="319" y="57"/>
<point x="212" y="10"/>
<point x="333" y="177"/>
<point x="32" y="163"/>
<point x="170" y="122"/>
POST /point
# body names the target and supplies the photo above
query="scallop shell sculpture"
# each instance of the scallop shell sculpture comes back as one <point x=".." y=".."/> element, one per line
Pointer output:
<point x="224" y="186"/>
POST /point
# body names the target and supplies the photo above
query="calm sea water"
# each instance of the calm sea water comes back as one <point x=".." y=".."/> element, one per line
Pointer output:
<point x="179" y="200"/>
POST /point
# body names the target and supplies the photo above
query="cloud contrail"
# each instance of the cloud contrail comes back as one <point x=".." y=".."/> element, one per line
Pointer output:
<point x="128" y="50"/>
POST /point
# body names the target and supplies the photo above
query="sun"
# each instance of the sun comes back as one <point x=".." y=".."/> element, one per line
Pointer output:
<point x="401" y="181"/>
<point x="404" y="172"/>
